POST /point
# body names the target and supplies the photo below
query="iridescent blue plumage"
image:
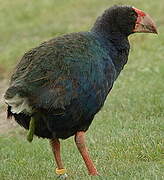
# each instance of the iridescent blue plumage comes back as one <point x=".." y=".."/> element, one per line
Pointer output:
<point x="66" y="80"/>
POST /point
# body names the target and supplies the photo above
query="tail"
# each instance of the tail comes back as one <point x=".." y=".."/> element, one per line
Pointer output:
<point x="21" y="118"/>
<point x="24" y="120"/>
<point x="16" y="98"/>
<point x="19" y="107"/>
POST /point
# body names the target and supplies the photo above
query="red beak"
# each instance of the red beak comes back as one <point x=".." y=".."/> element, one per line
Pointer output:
<point x="144" y="23"/>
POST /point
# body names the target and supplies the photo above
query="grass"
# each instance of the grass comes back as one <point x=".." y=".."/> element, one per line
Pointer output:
<point x="126" y="137"/>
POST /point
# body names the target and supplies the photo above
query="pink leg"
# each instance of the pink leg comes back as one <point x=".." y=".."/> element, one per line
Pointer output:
<point x="80" y="142"/>
<point x="61" y="171"/>
<point x="55" y="144"/>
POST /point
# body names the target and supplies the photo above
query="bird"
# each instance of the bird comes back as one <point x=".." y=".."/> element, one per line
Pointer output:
<point x="59" y="86"/>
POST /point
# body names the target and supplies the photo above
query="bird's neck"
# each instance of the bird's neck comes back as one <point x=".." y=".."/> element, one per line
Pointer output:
<point x="117" y="46"/>
<point x="109" y="33"/>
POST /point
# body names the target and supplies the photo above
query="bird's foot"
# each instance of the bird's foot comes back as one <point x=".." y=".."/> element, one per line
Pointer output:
<point x="62" y="173"/>
<point x="63" y="176"/>
<point x="94" y="174"/>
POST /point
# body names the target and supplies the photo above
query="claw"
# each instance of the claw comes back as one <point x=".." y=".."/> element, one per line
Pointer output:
<point x="63" y="176"/>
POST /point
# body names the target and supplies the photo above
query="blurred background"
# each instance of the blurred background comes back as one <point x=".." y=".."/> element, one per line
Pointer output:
<point x="127" y="143"/>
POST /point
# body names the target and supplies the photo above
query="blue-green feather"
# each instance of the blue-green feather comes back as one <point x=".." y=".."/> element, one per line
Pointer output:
<point x="67" y="79"/>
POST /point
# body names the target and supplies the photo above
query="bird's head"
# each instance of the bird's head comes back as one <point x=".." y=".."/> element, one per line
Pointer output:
<point x="125" y="20"/>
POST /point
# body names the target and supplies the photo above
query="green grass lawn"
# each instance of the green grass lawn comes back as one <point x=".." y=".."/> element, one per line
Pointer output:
<point x="126" y="137"/>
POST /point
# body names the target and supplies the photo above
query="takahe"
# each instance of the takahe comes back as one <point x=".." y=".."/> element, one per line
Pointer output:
<point x="59" y="86"/>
